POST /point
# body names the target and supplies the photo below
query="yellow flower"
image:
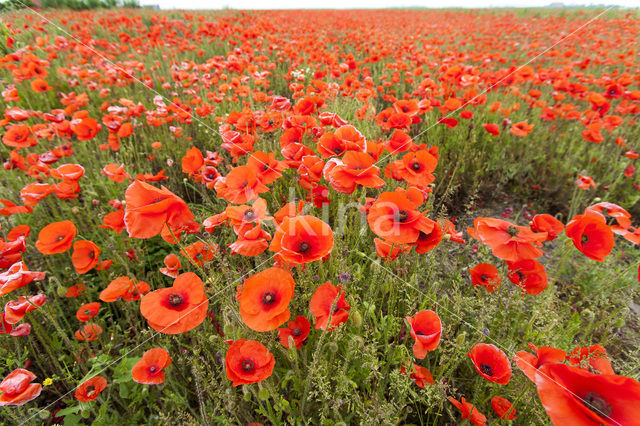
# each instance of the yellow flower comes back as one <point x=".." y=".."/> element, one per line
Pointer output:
<point x="48" y="381"/>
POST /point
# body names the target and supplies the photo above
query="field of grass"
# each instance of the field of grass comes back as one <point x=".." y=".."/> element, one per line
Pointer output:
<point x="320" y="217"/>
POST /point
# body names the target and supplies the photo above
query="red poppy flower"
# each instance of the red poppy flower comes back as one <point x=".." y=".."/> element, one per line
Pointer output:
<point x="32" y="193"/>
<point x="492" y="129"/>
<point x="85" y="256"/>
<point x="240" y="185"/>
<point x="115" y="172"/>
<point x="417" y="168"/>
<point x="503" y="408"/>
<point x="18" y="275"/>
<point x="69" y="172"/>
<point x="420" y="375"/>
<point x="399" y="142"/>
<point x="264" y="299"/>
<point x="485" y="275"/>
<point x="393" y="216"/>
<point x="200" y="252"/>
<point x="491" y="363"/>
<point x="148" y="209"/>
<point x="521" y="129"/>
<point x="89" y="332"/>
<point x="611" y="210"/>
<point x="302" y="239"/>
<point x="124" y="288"/>
<point x="192" y="161"/>
<point x="15" y="310"/>
<point x="114" y="221"/>
<point x="390" y="251"/>
<point x="426" y="330"/>
<point x="591" y="235"/>
<point x="148" y="370"/>
<point x="252" y="240"/>
<point x="90" y="389"/>
<point x="326" y="297"/>
<point x="176" y="309"/>
<point x="10" y="208"/>
<point x="88" y="311"/>
<point x="547" y="223"/>
<point x="355" y="169"/>
<point x="56" y="237"/>
<point x="16" y="389"/>
<point x="571" y="395"/>
<point x="172" y="263"/>
<point x="594" y="357"/>
<point x="248" y="361"/>
<point x="528" y="274"/>
<point x="266" y="167"/>
<point x="469" y="411"/>
<point x="508" y="241"/>
<point x="19" y="136"/>
<point x="298" y="330"/>
<point x="528" y="363"/>
<point x="85" y="128"/>
<point x="585" y="182"/>
<point x="255" y="213"/>
<point x="427" y="241"/>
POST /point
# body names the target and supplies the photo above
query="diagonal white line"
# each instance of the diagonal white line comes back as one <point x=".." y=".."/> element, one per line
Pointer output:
<point x="153" y="334"/>
<point x="501" y="80"/>
<point x="433" y="299"/>
<point x="98" y="53"/>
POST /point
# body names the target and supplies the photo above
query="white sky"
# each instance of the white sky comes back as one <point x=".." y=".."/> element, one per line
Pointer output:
<point x="366" y="4"/>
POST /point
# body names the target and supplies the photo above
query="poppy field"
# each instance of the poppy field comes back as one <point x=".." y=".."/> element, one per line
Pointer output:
<point x="320" y="217"/>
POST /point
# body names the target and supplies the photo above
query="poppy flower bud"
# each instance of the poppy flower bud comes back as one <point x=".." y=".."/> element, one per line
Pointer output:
<point x="333" y="347"/>
<point x="61" y="291"/>
<point x="460" y="339"/>
<point x="263" y="394"/>
<point x="228" y="329"/>
<point x="356" y="318"/>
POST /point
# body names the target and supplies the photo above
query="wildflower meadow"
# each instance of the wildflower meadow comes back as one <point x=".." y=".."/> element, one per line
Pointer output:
<point x="327" y="217"/>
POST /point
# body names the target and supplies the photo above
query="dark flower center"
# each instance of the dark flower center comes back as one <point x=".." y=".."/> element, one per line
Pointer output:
<point x="249" y="214"/>
<point x="175" y="299"/>
<point x="60" y="238"/>
<point x="268" y="297"/>
<point x="304" y="247"/>
<point x="153" y="369"/>
<point x="596" y="403"/>
<point x="296" y="332"/>
<point x="416" y="166"/>
<point x="486" y="369"/>
<point x="337" y="150"/>
<point x="584" y="239"/>
<point x="402" y="216"/>
<point x="512" y="230"/>
<point x="91" y="390"/>
<point x="483" y="278"/>
<point x="92" y="255"/>
<point x="248" y="365"/>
